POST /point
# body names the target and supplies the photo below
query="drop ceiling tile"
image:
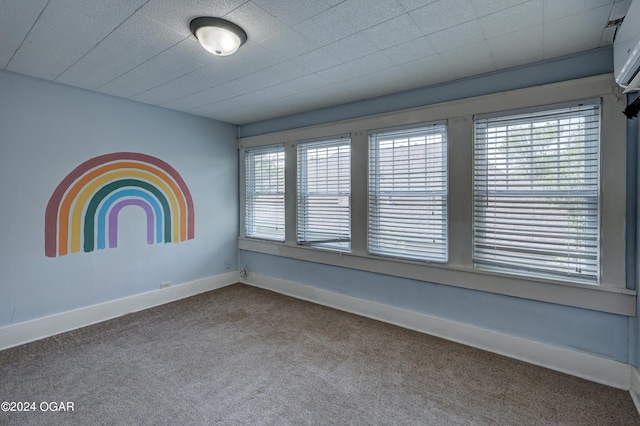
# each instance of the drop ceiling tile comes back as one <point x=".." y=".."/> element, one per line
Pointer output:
<point x="195" y="81"/>
<point x="195" y="100"/>
<point x="301" y="84"/>
<point x="252" y="83"/>
<point x="443" y="14"/>
<point x="4" y="59"/>
<point x="16" y="19"/>
<point x="513" y="19"/>
<point x="250" y="58"/>
<point x="607" y="37"/>
<point x="410" y="51"/>
<point x="380" y="83"/>
<point x="458" y="36"/>
<point x="137" y="81"/>
<point x="115" y="55"/>
<point x="428" y="71"/>
<point x="90" y="72"/>
<point x="150" y="31"/>
<point x="620" y="8"/>
<point x="575" y="33"/>
<point x="109" y="12"/>
<point x="517" y="48"/>
<point x="410" y="5"/>
<point x="362" y="66"/>
<point x="192" y="52"/>
<point x="325" y="28"/>
<point x="125" y="51"/>
<point x="351" y="47"/>
<point x="554" y="9"/>
<point x="287" y="44"/>
<point x="470" y="60"/>
<point x="57" y="40"/>
<point x="173" y="59"/>
<point x="324" y="97"/>
<point x="178" y="14"/>
<point x="159" y="94"/>
<point x="231" y="103"/>
<point x="292" y="13"/>
<point x="126" y="87"/>
<point x="487" y="7"/>
<point x="393" y="32"/>
<point x="366" y="13"/>
<point x="283" y="90"/>
<point x="158" y="70"/>
<point x="255" y="21"/>
<point x="317" y="60"/>
<point x="219" y="111"/>
<point x="280" y="72"/>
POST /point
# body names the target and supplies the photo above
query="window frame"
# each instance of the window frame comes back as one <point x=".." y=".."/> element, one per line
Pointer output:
<point x="482" y="258"/>
<point x="610" y="296"/>
<point x="268" y="149"/>
<point x="375" y="192"/>
<point x="343" y="240"/>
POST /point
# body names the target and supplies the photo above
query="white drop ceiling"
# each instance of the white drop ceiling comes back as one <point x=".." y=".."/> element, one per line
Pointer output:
<point x="300" y="54"/>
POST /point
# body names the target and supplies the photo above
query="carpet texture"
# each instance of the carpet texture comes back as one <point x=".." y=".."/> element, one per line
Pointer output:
<point x="241" y="355"/>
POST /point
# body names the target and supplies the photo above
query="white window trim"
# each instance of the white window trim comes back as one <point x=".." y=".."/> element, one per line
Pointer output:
<point x="610" y="296"/>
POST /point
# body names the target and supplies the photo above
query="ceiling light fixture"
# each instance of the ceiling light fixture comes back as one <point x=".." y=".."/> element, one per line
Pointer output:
<point x="218" y="36"/>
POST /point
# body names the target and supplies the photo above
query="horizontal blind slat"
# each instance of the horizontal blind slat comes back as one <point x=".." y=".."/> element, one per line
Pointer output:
<point x="536" y="192"/>
<point x="408" y="192"/>
<point x="324" y="193"/>
<point x="264" y="193"/>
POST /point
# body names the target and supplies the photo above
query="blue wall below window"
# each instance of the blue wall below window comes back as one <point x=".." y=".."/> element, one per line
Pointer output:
<point x="594" y="332"/>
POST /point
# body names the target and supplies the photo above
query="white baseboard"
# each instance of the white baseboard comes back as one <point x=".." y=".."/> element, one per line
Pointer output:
<point x="635" y="387"/>
<point x="576" y="363"/>
<point x="28" y="331"/>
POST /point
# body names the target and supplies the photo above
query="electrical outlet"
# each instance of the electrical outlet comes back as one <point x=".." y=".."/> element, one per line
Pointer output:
<point x="165" y="284"/>
<point x="227" y="265"/>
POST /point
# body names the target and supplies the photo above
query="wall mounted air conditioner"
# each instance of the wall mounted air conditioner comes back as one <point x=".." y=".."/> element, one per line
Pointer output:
<point x="626" y="50"/>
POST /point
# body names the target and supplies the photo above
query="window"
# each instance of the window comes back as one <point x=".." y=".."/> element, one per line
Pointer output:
<point x="536" y="192"/>
<point x="264" y="209"/>
<point x="324" y="193"/>
<point x="408" y="193"/>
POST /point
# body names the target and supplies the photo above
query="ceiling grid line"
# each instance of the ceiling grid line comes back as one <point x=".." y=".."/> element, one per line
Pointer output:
<point x="27" y="34"/>
<point x="98" y="43"/>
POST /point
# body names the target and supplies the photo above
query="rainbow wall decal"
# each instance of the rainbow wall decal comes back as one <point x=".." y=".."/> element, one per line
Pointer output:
<point x="82" y="213"/>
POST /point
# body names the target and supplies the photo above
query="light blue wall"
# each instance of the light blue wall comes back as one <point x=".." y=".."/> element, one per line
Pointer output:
<point x="46" y="130"/>
<point x="589" y="331"/>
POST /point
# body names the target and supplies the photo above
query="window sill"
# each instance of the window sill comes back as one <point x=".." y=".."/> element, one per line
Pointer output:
<point x="602" y="298"/>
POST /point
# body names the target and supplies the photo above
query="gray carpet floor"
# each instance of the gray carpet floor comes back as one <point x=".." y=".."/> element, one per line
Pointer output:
<point x="241" y="355"/>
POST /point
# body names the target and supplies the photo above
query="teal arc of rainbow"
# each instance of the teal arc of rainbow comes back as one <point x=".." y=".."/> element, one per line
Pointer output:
<point x="82" y="213"/>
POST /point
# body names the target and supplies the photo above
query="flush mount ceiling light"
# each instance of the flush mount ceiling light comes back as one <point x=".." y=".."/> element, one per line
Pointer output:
<point x="218" y="36"/>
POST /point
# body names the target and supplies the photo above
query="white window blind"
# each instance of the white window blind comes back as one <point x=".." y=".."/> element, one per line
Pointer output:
<point x="408" y="193"/>
<point x="324" y="193"/>
<point x="536" y="191"/>
<point x="264" y="209"/>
